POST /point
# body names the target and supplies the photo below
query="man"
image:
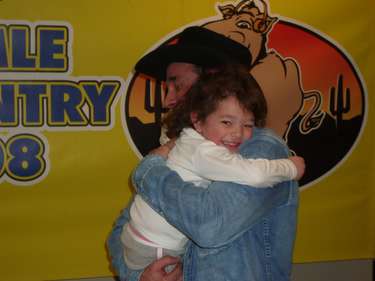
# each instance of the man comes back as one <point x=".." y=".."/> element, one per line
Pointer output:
<point x="181" y="59"/>
<point x="236" y="232"/>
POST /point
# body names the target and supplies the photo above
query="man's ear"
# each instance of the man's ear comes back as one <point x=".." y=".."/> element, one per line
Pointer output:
<point x="195" y="122"/>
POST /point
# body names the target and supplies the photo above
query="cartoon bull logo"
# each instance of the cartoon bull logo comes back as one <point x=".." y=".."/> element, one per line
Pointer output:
<point x="249" y="24"/>
<point x="320" y="116"/>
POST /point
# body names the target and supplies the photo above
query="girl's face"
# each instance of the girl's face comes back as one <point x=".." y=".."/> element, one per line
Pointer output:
<point x="229" y="125"/>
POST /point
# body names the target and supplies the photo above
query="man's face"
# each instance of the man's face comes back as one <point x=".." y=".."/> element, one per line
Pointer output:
<point x="180" y="77"/>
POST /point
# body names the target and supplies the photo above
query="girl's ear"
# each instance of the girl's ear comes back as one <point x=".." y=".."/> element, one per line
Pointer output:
<point x="195" y="122"/>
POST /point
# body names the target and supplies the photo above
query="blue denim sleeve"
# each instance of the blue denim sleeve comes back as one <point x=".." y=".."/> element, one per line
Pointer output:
<point x="215" y="216"/>
<point x="115" y="250"/>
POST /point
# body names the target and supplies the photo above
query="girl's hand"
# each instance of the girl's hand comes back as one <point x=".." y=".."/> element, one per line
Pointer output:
<point x="299" y="162"/>
<point x="164" y="150"/>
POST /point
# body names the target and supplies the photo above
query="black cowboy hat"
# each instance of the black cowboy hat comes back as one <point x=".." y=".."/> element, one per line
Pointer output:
<point x="196" y="45"/>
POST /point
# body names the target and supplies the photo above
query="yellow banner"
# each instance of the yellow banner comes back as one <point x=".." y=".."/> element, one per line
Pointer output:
<point x="74" y="120"/>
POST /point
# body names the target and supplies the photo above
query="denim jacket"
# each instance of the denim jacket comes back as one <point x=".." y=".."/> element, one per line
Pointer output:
<point x="237" y="232"/>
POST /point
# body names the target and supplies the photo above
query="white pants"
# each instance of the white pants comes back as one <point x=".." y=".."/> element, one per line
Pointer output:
<point x="138" y="256"/>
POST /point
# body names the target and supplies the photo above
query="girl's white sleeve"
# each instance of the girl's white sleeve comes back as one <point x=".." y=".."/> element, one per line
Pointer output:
<point x="217" y="163"/>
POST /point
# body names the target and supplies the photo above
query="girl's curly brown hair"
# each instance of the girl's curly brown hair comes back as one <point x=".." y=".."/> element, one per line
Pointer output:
<point x="210" y="89"/>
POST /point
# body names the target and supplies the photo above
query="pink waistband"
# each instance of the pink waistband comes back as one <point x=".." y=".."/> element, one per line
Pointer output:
<point x="136" y="233"/>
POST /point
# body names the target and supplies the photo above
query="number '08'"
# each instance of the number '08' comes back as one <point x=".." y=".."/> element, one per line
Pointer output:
<point x="22" y="157"/>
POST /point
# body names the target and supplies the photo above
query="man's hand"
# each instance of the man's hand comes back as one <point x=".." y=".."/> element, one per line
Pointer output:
<point x="156" y="270"/>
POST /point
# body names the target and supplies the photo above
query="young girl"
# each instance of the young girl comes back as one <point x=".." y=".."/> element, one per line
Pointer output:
<point x="216" y="117"/>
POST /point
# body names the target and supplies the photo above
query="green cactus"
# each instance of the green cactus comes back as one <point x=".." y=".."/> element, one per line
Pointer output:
<point x="155" y="108"/>
<point x="336" y="105"/>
